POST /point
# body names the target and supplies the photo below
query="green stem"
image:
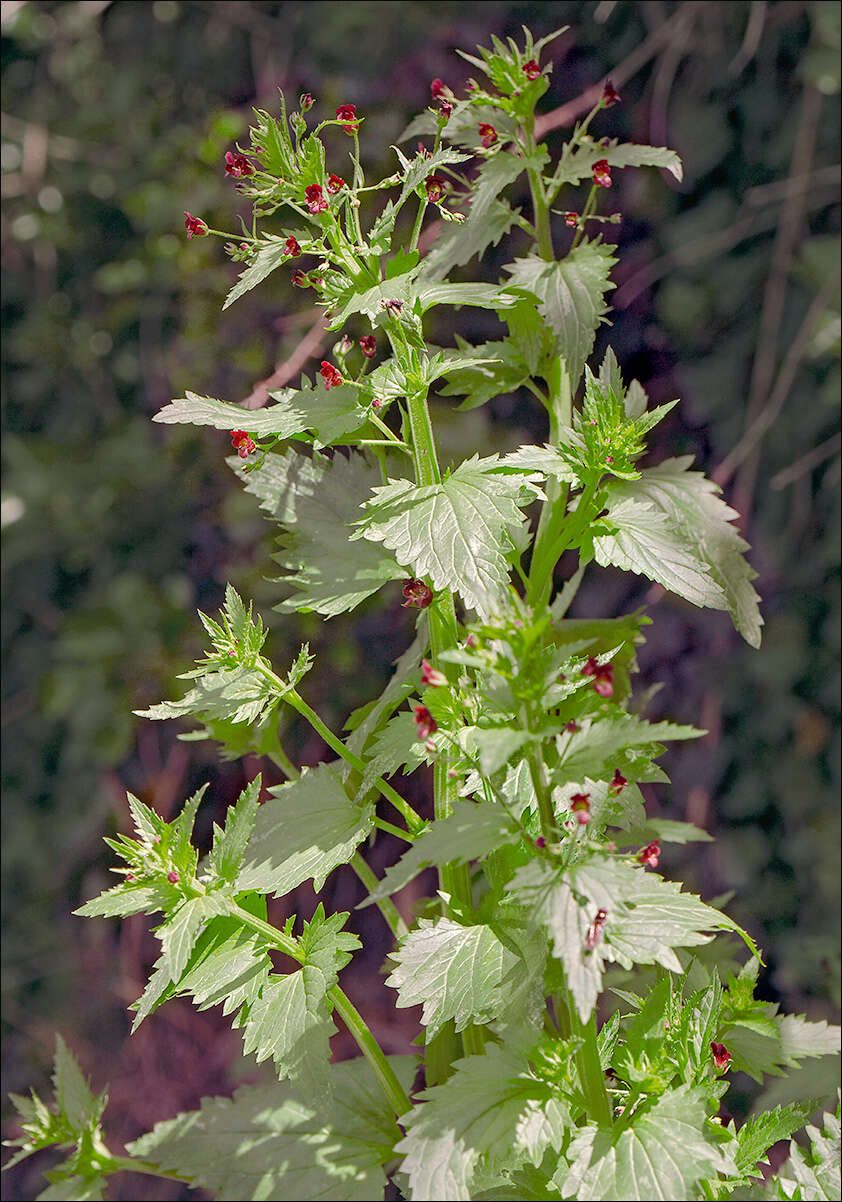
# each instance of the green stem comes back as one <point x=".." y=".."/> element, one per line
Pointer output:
<point x="386" y="906"/>
<point x="403" y="807"/>
<point x="126" y="1164"/>
<point x="391" y="829"/>
<point x="349" y="1014"/>
<point x="540" y="206"/>
<point x="562" y="531"/>
<point x="416" y="232"/>
<point x="591" y="1076"/>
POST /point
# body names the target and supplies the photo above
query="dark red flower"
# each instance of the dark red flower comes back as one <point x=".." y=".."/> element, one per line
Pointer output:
<point x="194" y="225"/>
<point x="445" y="107"/>
<point x="417" y="594"/>
<point x="541" y="842"/>
<point x="595" y="930"/>
<point x="610" y="95"/>
<point x="292" y="248"/>
<point x="618" y="782"/>
<point x="572" y="727"/>
<point x="299" y="279"/>
<point x="425" y="723"/>
<point x="580" y="805"/>
<point x="721" y="1056"/>
<point x="306" y="101"/>
<point x="348" y="112"/>
<point x="368" y="345"/>
<point x="392" y="307"/>
<point x="330" y="375"/>
<point x="571" y="219"/>
<point x="434" y="185"/>
<point x="430" y="675"/>
<point x="335" y="183"/>
<point x="602" y="173"/>
<point x="531" y="69"/>
<point x="487" y="133"/>
<point x="243" y="444"/>
<point x="316" y="201"/>
<point x="237" y="164"/>
<point x="438" y="88"/>
<point x="172" y="877"/>
<point x="424" y="152"/>
<point x="603" y="675"/>
<point x="650" y="855"/>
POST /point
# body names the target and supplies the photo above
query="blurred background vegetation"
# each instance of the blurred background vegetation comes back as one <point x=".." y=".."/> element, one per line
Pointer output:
<point x="116" y="119"/>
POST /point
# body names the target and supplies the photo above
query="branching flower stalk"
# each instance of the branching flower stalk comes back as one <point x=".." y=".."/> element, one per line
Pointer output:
<point x="541" y="1081"/>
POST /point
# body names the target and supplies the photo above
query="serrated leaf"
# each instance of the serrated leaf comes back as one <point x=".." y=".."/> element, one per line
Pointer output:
<point x="456" y="532"/>
<point x="756" y="1136"/>
<point x="694" y="524"/>
<point x="814" y="1175"/>
<point x="307" y="829"/>
<point x="229" y="967"/>
<point x="492" y="1112"/>
<point x="470" y="832"/>
<point x="664" y="1154"/>
<point x="126" y="899"/>
<point x="646" y="918"/>
<point x="276" y="1141"/>
<point x="456" y="971"/>
<point x="318" y="499"/>
<point x="229" y="845"/>
<point x="264" y="262"/>
<point x="579" y="164"/>
<point x="596" y="748"/>
<point x="571" y="297"/>
<point x="74" y="1096"/>
<point x="178" y="936"/>
<point x="329" y="413"/>
<point x="73" y="1187"/>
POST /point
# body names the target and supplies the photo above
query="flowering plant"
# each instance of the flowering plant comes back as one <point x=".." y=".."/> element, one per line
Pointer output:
<point x="536" y="1085"/>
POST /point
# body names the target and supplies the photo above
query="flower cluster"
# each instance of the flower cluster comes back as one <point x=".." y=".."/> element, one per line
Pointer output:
<point x="242" y="443"/>
<point x="603" y="675"/>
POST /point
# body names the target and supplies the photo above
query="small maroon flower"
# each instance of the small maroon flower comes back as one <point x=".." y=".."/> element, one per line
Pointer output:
<point x="392" y="307"/>
<point x="423" y="152"/>
<point x="610" y="95"/>
<point x="316" y="201"/>
<point x="194" y="225"/>
<point x="306" y="101"/>
<point x="368" y="345"/>
<point x="425" y="723"/>
<point x="438" y="88"/>
<point x="580" y="805"/>
<point x="348" y="112"/>
<point x="602" y="173"/>
<point x="237" y="164"/>
<point x="618" y="782"/>
<point x="650" y="855"/>
<point x="431" y="676"/>
<point x="470" y="642"/>
<point x="721" y="1056"/>
<point x="299" y="279"/>
<point x="595" y="930"/>
<point x="531" y="69"/>
<point x="541" y="842"/>
<point x="172" y="877"/>
<point x="603" y="675"/>
<point x="445" y="108"/>
<point x="434" y="185"/>
<point x="572" y="727"/>
<point x="417" y="594"/>
<point x="292" y="248"/>
<point x="487" y="133"/>
<point x="130" y="878"/>
<point x="335" y="183"/>
<point x="571" y="219"/>
<point x="330" y="375"/>
<point x="242" y="443"/>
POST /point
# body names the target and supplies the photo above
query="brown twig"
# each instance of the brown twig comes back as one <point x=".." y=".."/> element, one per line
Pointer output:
<point x="807" y="462"/>
<point x="310" y="344"/>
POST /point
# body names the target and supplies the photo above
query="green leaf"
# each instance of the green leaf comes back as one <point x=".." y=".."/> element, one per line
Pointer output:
<point x="74" y="1097"/>
<point x="318" y="499"/>
<point x="307" y="829"/>
<point x="458" y="532"/>
<point x="229" y="845"/>
<point x="268" y="257"/>
<point x="757" y="1135"/>
<point x="665" y="1153"/>
<point x="178" y="936"/>
<point x="276" y="1141"/>
<point x="691" y="528"/>
<point x="491" y="1113"/>
<point x="503" y="371"/>
<point x="329" y="413"/>
<point x="664" y="829"/>
<point x="470" y="832"/>
<point x="579" y="164"/>
<point x="365" y="722"/>
<point x="571" y="297"/>
<point x="456" y="971"/>
<point x="290" y="1021"/>
<point x="599" y="745"/>
<point x="814" y="1175"/>
<point x="646" y="918"/>
<point x="229" y="967"/>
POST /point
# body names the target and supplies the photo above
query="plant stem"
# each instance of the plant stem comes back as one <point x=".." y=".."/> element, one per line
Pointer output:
<point x="353" y="1020"/>
<point x="540" y="207"/>
<point x="386" y="906"/>
<point x="416" y="232"/>
<point x="591" y="1076"/>
<point x="403" y="807"/>
<point x="127" y="1164"/>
